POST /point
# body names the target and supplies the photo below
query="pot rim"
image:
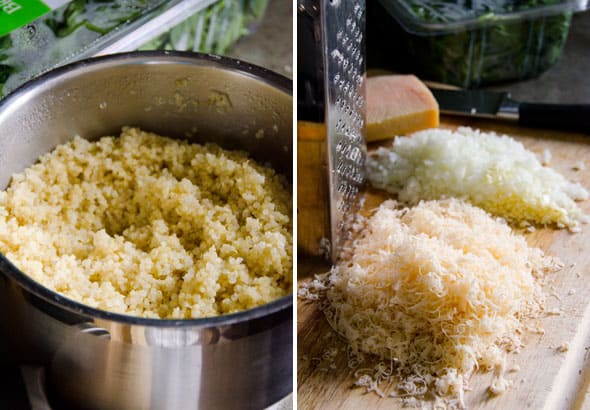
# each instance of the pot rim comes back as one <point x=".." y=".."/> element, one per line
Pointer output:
<point x="144" y="57"/>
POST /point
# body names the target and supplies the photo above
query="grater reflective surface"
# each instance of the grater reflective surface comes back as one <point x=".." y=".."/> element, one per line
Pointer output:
<point x="343" y="29"/>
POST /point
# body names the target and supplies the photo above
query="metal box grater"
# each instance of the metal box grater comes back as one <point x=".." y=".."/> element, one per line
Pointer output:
<point x="334" y="87"/>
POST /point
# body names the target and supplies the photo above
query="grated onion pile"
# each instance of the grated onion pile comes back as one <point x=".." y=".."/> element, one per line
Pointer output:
<point x="494" y="172"/>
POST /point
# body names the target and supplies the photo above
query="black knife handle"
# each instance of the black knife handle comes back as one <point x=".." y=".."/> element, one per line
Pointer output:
<point x="570" y="117"/>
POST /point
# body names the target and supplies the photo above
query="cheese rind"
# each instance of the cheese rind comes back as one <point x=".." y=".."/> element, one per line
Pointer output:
<point x="398" y="105"/>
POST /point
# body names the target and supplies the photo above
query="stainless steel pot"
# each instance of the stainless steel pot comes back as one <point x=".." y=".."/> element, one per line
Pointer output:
<point x="97" y="359"/>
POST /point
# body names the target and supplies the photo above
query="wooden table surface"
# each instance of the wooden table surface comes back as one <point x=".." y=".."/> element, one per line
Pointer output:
<point x="548" y="378"/>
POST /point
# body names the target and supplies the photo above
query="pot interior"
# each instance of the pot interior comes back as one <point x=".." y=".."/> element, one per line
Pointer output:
<point x="200" y="98"/>
<point x="194" y="97"/>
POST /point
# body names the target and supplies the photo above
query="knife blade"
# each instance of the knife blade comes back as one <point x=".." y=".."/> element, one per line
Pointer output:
<point x="495" y="104"/>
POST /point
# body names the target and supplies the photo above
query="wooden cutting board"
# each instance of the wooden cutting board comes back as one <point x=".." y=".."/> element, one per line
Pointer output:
<point x="548" y="378"/>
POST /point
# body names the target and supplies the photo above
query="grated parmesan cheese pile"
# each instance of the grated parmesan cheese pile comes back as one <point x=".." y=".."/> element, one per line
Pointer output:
<point x="438" y="290"/>
<point x="494" y="172"/>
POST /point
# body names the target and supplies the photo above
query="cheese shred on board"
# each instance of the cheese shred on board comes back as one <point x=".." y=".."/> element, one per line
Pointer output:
<point x="494" y="172"/>
<point x="437" y="291"/>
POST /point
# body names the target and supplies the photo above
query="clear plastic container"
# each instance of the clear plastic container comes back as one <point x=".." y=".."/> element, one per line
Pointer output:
<point x="467" y="43"/>
<point x="85" y="28"/>
<point x="212" y="30"/>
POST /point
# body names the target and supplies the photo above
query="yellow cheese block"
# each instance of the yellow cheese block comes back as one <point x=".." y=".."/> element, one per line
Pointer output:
<point x="398" y="105"/>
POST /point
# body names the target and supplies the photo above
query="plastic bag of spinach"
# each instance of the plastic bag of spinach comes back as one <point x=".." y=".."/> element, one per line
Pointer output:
<point x="488" y="50"/>
<point x="61" y="35"/>
<point x="212" y="30"/>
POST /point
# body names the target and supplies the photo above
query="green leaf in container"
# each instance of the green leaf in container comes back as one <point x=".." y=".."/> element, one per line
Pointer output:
<point x="212" y="30"/>
<point x="64" y="33"/>
<point x="492" y="50"/>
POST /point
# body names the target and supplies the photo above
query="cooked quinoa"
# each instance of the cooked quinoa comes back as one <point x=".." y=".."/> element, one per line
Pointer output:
<point x="150" y="226"/>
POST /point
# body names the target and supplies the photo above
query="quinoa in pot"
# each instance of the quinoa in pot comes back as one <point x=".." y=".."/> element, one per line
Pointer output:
<point x="150" y="226"/>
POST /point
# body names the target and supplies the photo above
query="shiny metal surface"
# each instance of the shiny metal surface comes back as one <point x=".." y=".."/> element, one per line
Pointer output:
<point x="343" y="31"/>
<point x="476" y="103"/>
<point x="96" y="359"/>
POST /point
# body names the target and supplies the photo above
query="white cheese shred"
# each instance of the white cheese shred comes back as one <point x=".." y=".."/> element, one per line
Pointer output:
<point x="579" y="166"/>
<point x="546" y="158"/>
<point x="564" y="347"/>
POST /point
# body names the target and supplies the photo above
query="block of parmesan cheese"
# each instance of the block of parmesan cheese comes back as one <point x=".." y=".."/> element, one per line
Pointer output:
<point x="398" y="105"/>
